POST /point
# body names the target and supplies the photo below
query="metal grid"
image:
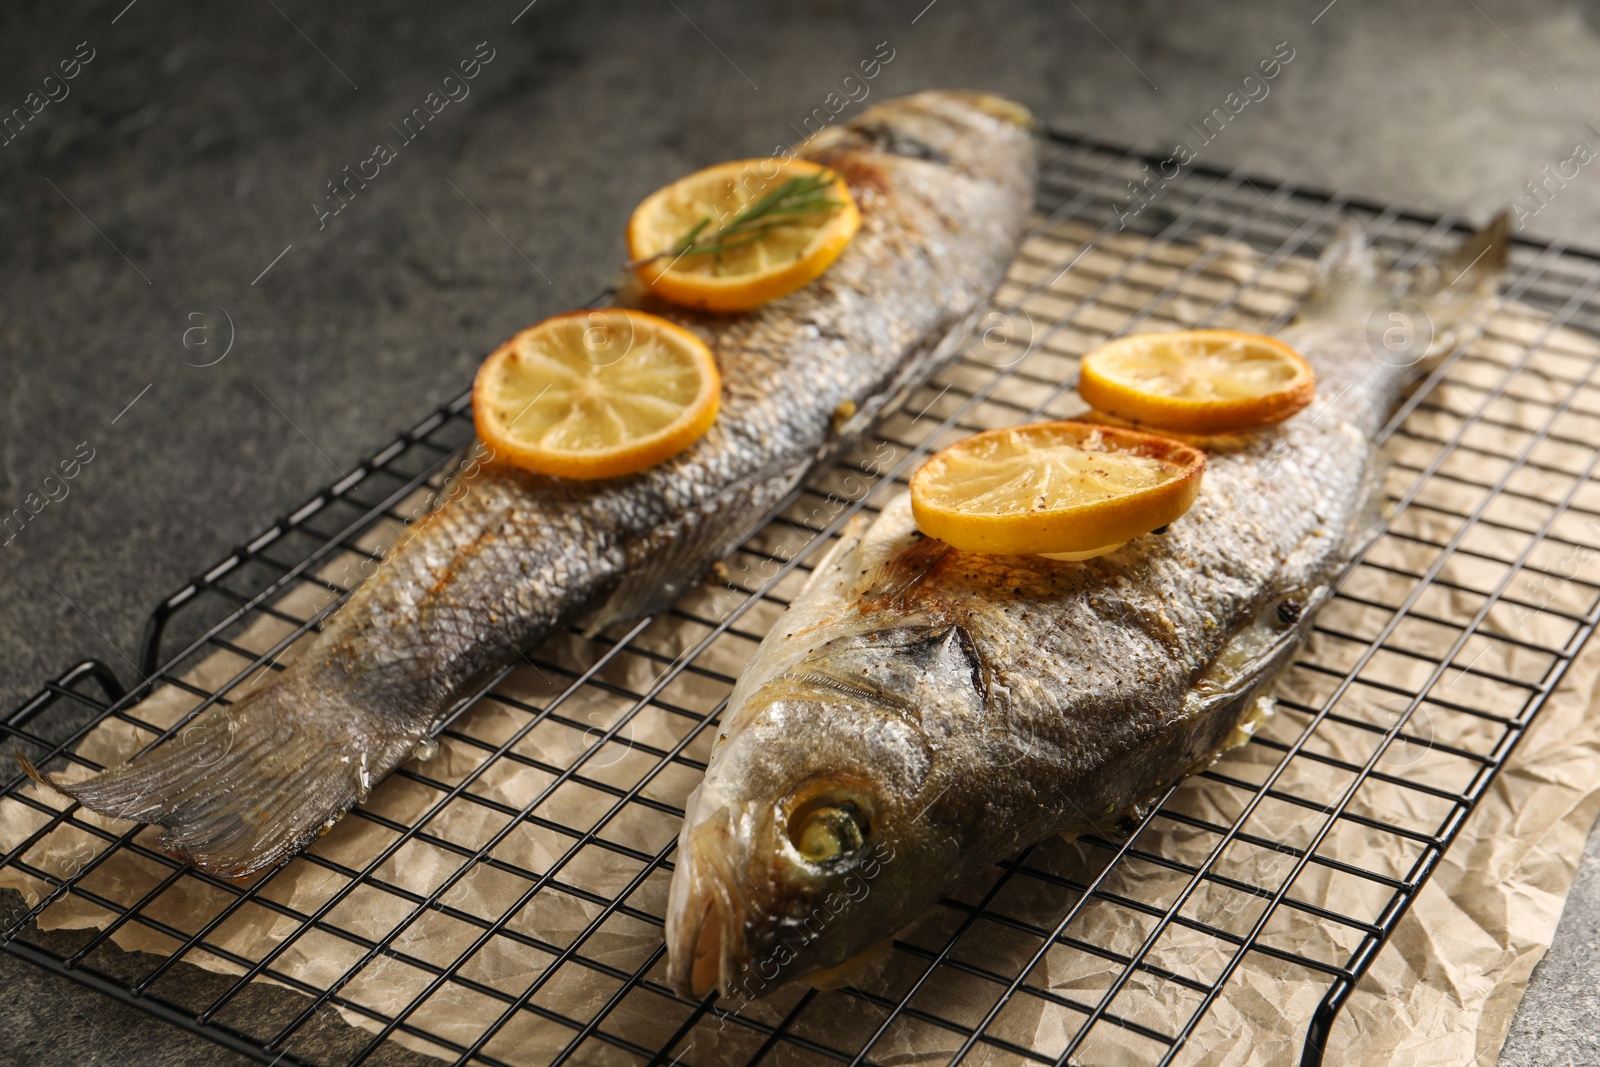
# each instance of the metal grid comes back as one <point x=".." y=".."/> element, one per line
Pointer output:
<point x="1479" y="471"/>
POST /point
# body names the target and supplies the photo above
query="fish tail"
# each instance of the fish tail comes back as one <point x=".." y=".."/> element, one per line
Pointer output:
<point x="1429" y="306"/>
<point x="243" y="786"/>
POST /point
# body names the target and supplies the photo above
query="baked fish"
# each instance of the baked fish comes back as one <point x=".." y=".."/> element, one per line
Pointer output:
<point x="945" y="183"/>
<point x="919" y="713"/>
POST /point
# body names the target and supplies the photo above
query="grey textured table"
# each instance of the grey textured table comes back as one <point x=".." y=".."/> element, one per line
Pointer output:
<point x="175" y="187"/>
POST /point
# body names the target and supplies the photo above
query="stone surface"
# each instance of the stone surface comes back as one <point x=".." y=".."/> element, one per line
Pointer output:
<point x="1556" y="1022"/>
<point x="172" y="192"/>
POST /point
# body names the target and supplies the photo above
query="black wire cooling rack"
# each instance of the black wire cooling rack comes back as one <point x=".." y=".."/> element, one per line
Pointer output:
<point x="1091" y="268"/>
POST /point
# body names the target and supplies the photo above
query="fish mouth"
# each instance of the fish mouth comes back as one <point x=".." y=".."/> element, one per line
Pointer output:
<point x="705" y="913"/>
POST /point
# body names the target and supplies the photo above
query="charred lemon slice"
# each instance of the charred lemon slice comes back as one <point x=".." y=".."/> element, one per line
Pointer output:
<point x="1054" y="488"/>
<point x="595" y="394"/>
<point x="739" y="234"/>
<point x="1197" y="381"/>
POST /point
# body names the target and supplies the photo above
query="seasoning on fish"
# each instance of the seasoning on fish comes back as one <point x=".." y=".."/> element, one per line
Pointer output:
<point x="946" y="184"/>
<point x="920" y="712"/>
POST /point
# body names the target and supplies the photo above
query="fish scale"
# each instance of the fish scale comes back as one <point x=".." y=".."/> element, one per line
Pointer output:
<point x="923" y="712"/>
<point x="512" y="556"/>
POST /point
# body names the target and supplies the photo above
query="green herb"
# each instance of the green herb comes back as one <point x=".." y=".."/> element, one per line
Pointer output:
<point x="794" y="199"/>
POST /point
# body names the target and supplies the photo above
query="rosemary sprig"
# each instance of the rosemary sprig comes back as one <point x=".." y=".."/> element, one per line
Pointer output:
<point x="794" y="199"/>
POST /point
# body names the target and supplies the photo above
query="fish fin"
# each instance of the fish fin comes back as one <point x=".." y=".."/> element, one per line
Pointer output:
<point x="671" y="564"/>
<point x="899" y="574"/>
<point x="862" y="965"/>
<point x="1236" y="708"/>
<point x="1349" y="259"/>
<point x="657" y="584"/>
<point x="1262" y="708"/>
<point x="246" y="785"/>
<point x="1454" y="290"/>
<point x="848" y="541"/>
<point x="1482" y="258"/>
<point x="937" y="348"/>
<point x="1257" y="709"/>
<point x="1247" y="665"/>
<point x="1458" y="290"/>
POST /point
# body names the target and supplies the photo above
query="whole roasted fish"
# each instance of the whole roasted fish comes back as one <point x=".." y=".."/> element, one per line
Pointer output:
<point x="919" y="712"/>
<point x="945" y="183"/>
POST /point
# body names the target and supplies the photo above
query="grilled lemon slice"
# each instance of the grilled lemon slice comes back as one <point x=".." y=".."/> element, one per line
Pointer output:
<point x="754" y="230"/>
<point x="1054" y="488"/>
<point x="1197" y="381"/>
<point x="595" y="394"/>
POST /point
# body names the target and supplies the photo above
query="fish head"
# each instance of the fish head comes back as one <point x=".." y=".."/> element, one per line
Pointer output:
<point x="811" y="829"/>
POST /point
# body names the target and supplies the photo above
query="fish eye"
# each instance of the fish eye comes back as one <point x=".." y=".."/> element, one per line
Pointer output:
<point x="828" y="827"/>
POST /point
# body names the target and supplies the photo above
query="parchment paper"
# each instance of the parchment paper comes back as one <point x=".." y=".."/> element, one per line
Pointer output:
<point x="1442" y="992"/>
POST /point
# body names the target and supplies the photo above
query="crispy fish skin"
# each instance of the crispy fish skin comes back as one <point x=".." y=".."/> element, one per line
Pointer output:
<point x="945" y="184"/>
<point x="919" y="712"/>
